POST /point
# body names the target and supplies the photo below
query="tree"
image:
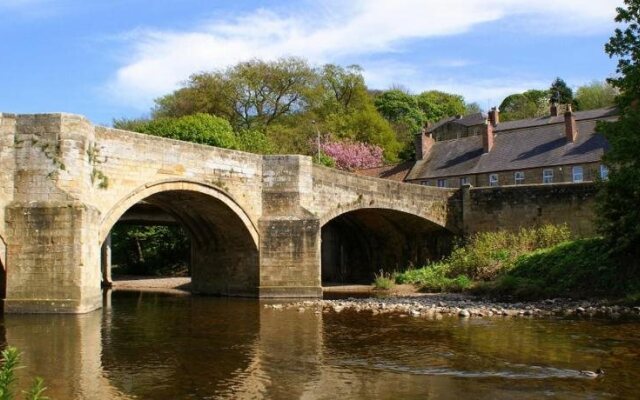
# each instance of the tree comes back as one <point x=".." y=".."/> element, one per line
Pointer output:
<point x="472" y="108"/>
<point x="251" y="94"/>
<point x="530" y="104"/>
<point x="560" y="93"/>
<point x="595" y="95"/>
<point x="350" y="155"/>
<point x="197" y="128"/>
<point x="401" y="109"/>
<point x="617" y="205"/>
<point x="437" y="105"/>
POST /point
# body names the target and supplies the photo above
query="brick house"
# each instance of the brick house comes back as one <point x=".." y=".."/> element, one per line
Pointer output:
<point x="482" y="151"/>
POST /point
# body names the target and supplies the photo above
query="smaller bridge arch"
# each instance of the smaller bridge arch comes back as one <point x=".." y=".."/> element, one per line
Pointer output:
<point x="224" y="240"/>
<point x="358" y="242"/>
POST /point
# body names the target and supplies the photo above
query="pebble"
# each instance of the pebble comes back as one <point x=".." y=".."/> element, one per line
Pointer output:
<point x="462" y="306"/>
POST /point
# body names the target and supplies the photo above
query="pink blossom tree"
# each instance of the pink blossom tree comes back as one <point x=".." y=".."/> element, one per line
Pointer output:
<point x="351" y="155"/>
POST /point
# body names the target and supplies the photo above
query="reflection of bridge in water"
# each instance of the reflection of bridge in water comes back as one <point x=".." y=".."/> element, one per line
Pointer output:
<point x="125" y="353"/>
<point x="154" y="346"/>
<point x="255" y="222"/>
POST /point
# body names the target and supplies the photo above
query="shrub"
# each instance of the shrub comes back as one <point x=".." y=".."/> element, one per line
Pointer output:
<point x="11" y="362"/>
<point x="435" y="278"/>
<point x="576" y="268"/>
<point x="383" y="280"/>
<point x="487" y="254"/>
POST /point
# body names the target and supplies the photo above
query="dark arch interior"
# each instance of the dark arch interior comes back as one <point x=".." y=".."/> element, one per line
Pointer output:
<point x="360" y="243"/>
<point x="224" y="257"/>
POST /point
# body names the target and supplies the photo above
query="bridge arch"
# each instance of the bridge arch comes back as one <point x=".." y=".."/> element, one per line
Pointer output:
<point x="224" y="239"/>
<point x="359" y="241"/>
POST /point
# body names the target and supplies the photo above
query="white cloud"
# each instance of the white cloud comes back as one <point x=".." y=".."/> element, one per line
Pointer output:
<point x="331" y="31"/>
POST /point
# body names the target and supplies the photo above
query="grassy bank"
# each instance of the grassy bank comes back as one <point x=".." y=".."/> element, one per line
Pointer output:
<point x="531" y="264"/>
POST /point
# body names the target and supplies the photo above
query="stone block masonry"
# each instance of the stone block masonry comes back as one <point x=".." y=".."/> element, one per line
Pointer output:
<point x="255" y="221"/>
<point x="514" y="207"/>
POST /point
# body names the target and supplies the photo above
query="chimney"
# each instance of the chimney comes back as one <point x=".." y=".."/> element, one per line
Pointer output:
<point x="423" y="142"/>
<point x="570" y="127"/>
<point x="554" y="110"/>
<point x="494" y="116"/>
<point x="487" y="137"/>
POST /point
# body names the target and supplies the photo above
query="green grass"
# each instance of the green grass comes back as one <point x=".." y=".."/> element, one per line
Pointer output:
<point x="434" y="279"/>
<point x="575" y="268"/>
<point x="384" y="280"/>
<point x="530" y="264"/>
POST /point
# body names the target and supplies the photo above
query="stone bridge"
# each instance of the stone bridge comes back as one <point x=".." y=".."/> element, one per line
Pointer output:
<point x="263" y="226"/>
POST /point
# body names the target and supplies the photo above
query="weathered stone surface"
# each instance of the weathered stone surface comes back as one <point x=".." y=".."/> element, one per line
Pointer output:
<point x="255" y="221"/>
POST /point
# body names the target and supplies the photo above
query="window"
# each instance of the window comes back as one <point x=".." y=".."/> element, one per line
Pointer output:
<point x="424" y="183"/>
<point x="547" y="176"/>
<point x="577" y="174"/>
<point x="493" y="180"/>
<point x="604" y="172"/>
<point x="518" y="177"/>
<point x="464" y="180"/>
<point x="442" y="183"/>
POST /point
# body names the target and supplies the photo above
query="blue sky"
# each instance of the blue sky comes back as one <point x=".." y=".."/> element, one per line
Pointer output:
<point x="110" y="58"/>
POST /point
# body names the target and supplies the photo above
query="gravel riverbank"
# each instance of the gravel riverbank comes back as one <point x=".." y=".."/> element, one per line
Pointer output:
<point x="436" y="306"/>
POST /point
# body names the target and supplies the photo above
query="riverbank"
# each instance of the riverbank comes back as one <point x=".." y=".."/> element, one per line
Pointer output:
<point x="172" y="285"/>
<point x="436" y="306"/>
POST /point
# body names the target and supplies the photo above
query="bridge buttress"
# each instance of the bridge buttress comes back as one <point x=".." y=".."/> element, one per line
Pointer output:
<point x="289" y="233"/>
<point x="52" y="261"/>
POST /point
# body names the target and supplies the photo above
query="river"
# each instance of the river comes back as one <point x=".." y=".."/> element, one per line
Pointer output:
<point x="157" y="346"/>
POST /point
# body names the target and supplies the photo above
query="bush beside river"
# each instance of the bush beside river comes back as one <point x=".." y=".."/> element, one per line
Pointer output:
<point x="531" y="264"/>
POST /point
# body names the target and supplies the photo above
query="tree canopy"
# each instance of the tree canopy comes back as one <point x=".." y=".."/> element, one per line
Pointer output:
<point x="619" y="214"/>
<point x="437" y="105"/>
<point x="560" y="93"/>
<point x="595" y="95"/>
<point x="529" y="104"/>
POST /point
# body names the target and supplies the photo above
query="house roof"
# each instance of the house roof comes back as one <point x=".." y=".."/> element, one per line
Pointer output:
<point x="479" y="118"/>
<point x="395" y="172"/>
<point x="527" y="144"/>
<point x="600" y="113"/>
<point x="467" y="120"/>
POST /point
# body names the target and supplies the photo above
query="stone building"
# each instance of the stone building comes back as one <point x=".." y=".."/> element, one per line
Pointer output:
<point x="482" y="151"/>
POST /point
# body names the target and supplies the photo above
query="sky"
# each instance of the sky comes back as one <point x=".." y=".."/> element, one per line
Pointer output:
<point x="109" y="59"/>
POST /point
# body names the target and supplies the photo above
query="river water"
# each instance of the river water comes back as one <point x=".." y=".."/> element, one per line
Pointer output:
<point x="158" y="346"/>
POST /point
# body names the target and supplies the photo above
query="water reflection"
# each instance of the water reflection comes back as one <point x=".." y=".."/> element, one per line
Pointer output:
<point x="166" y="347"/>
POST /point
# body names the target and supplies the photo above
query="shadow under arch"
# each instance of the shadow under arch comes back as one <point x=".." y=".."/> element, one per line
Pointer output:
<point x="359" y="242"/>
<point x="224" y="240"/>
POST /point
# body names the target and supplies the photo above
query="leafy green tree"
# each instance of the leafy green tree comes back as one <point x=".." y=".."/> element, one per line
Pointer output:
<point x="619" y="214"/>
<point x="595" y="95"/>
<point x="251" y="95"/>
<point x="401" y="109"/>
<point x="560" y="93"/>
<point x="197" y="128"/>
<point x="150" y="250"/>
<point x="530" y="104"/>
<point x="342" y="89"/>
<point x="437" y="105"/>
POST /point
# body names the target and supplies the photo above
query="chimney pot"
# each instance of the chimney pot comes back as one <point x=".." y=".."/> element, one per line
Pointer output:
<point x="570" y="126"/>
<point x="494" y="116"/>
